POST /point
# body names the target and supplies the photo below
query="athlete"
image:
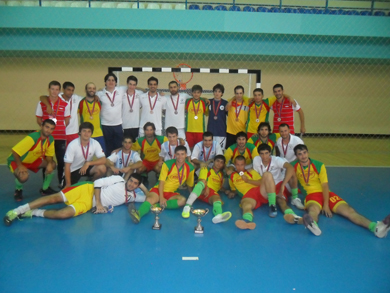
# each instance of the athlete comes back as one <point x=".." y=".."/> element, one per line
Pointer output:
<point x="205" y="151"/>
<point x="284" y="180"/>
<point x="173" y="174"/>
<point x="34" y="152"/>
<point x="100" y="196"/>
<point x="264" y="136"/>
<point x="209" y="183"/>
<point x="252" y="188"/>
<point x="79" y="155"/>
<point x="314" y="180"/>
<point x="217" y="116"/>
<point x="287" y="142"/>
<point x="123" y="162"/>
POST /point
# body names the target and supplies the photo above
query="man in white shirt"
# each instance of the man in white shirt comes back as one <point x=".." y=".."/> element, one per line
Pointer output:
<point x="287" y="142"/>
<point x="205" y="151"/>
<point x="111" y="113"/>
<point x="79" y="155"/>
<point x="100" y="196"/>
<point x="175" y="109"/>
<point x="125" y="161"/>
<point x="152" y="104"/>
<point x="284" y="178"/>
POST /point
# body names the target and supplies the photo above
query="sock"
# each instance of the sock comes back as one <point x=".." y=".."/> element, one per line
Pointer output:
<point x="196" y="192"/>
<point x="272" y="198"/>
<point x="22" y="209"/>
<point x="144" y="208"/>
<point x="38" y="213"/>
<point x="19" y="186"/>
<point x="372" y="227"/>
<point x="248" y="217"/>
<point x="47" y="180"/>
<point x="294" y="193"/>
<point x="172" y="204"/>
<point x="315" y="223"/>
<point x="217" y="208"/>
<point x="289" y="211"/>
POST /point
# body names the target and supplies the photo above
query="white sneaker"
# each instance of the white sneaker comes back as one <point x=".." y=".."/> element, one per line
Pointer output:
<point x="186" y="212"/>
<point x="311" y="225"/>
<point x="293" y="219"/>
<point x="298" y="203"/>
<point x="382" y="227"/>
<point x="222" y="217"/>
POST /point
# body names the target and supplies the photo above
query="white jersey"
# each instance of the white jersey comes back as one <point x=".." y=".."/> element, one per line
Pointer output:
<point x="131" y="118"/>
<point x="208" y="153"/>
<point x="122" y="160"/>
<point x="156" y="116"/>
<point x="74" y="153"/>
<point x="111" y="115"/>
<point x="73" y="105"/>
<point x="287" y="151"/>
<point x="168" y="151"/>
<point x="113" y="192"/>
<point x="275" y="167"/>
<point x="171" y="118"/>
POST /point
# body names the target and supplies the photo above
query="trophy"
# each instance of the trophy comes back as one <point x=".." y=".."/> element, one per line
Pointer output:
<point x="199" y="213"/>
<point x="156" y="210"/>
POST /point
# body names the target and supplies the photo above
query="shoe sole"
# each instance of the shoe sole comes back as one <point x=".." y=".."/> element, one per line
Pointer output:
<point x="241" y="224"/>
<point x="289" y="218"/>
<point x="133" y="215"/>
<point x="7" y="221"/>
<point x="224" y="217"/>
<point x="272" y="215"/>
<point x="185" y="216"/>
<point x="309" y="224"/>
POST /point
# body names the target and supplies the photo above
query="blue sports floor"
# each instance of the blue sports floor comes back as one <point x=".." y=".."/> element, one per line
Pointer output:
<point x="105" y="253"/>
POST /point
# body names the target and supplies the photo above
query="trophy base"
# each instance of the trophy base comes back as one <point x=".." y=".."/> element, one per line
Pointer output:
<point x="199" y="231"/>
<point x="156" y="227"/>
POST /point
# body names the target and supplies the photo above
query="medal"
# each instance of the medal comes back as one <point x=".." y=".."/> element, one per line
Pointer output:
<point x="93" y="108"/>
<point x="285" y="150"/>
<point x="151" y="112"/>
<point x="280" y="111"/>
<point x="216" y="108"/>
<point x="54" y="120"/>
<point x="85" y="154"/>
<point x="241" y="173"/>
<point x="308" y="173"/>
<point x="257" y="120"/>
<point x="131" y="110"/>
<point x="113" y="98"/>
<point x="196" y="117"/>
<point x="127" y="161"/>
<point x="112" y="104"/>
<point x="258" y="113"/>
<point x="90" y="117"/>
<point x="279" y="119"/>
<point x="177" y="104"/>
<point x="176" y="112"/>
<point x="150" y="103"/>
<point x="132" y="101"/>
<point x="237" y="119"/>
<point x="197" y="110"/>
<point x="215" y="117"/>
<point x="235" y="110"/>
<point x="178" y="173"/>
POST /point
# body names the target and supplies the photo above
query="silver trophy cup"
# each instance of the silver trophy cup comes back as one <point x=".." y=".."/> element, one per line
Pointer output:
<point x="156" y="211"/>
<point x="199" y="213"/>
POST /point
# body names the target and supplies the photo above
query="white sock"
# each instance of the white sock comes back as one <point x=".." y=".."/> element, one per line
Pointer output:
<point x="191" y="198"/>
<point x="38" y="213"/>
<point x="186" y="209"/>
<point x="22" y="209"/>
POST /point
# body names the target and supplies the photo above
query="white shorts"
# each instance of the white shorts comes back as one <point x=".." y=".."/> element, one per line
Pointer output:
<point x="221" y="140"/>
<point x="142" y="133"/>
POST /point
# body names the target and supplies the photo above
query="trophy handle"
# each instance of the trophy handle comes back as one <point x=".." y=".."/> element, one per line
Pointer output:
<point x="192" y="210"/>
<point x="207" y="211"/>
<point x="162" y="209"/>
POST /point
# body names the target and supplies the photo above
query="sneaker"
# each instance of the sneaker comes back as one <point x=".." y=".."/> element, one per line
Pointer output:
<point x="27" y="215"/>
<point x="242" y="224"/>
<point x="10" y="217"/>
<point x="272" y="211"/>
<point x="48" y="191"/>
<point x="186" y="212"/>
<point x="222" y="217"/>
<point x="298" y="203"/>
<point x="134" y="214"/>
<point x="293" y="219"/>
<point x="18" y="195"/>
<point x="382" y="227"/>
<point x="311" y="225"/>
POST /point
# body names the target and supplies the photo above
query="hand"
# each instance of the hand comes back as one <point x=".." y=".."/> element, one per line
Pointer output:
<point x="303" y="130"/>
<point x="229" y="171"/>
<point x="207" y="102"/>
<point x="49" y="169"/>
<point x="115" y="170"/>
<point x="245" y="178"/>
<point x="66" y="186"/>
<point x="326" y="211"/>
<point x="84" y="168"/>
<point x="250" y="100"/>
<point x="280" y="194"/>
<point x="100" y="209"/>
<point x="163" y="202"/>
<point x="292" y="101"/>
<point x="203" y="165"/>
<point x="96" y="98"/>
<point x="230" y="194"/>
<point x="182" y="141"/>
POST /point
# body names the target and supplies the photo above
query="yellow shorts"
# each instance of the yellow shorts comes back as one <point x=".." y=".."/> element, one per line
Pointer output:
<point x="79" y="196"/>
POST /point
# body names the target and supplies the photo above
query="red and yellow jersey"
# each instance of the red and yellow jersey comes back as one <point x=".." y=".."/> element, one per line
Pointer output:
<point x="240" y="111"/>
<point x="237" y="183"/>
<point x="171" y="175"/>
<point x="317" y="175"/>
<point x="249" y="153"/>
<point x="198" y="109"/>
<point x="87" y="108"/>
<point x="258" y="113"/>
<point x="32" y="148"/>
<point x="149" y="151"/>
<point x="271" y="141"/>
<point x="214" y="180"/>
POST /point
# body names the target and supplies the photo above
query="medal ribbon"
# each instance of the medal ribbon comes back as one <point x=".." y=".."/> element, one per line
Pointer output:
<point x="238" y="114"/>
<point x="281" y="109"/>
<point x="267" y="167"/>
<point x="93" y="108"/>
<point x="208" y="155"/>
<point x="85" y="154"/>
<point x="216" y="109"/>
<point x="128" y="100"/>
<point x="285" y="150"/>
<point x="150" y="103"/>
<point x="172" y="151"/>
<point x="258" y="114"/>
<point x="113" y="98"/>
<point x="193" y="106"/>
<point x="58" y="104"/>
<point x="308" y="172"/>
<point x="177" y="103"/>
<point x="182" y="173"/>
<point x="123" y="159"/>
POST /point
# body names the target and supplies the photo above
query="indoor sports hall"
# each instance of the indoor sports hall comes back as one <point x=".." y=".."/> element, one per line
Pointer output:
<point x="333" y="57"/>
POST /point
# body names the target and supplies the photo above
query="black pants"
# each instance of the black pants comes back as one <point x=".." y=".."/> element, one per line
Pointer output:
<point x="113" y="136"/>
<point x="60" y="148"/>
<point x="230" y="139"/>
<point x="132" y="132"/>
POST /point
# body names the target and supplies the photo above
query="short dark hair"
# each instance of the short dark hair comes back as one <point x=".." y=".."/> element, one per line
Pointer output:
<point x="239" y="158"/>
<point x="197" y="87"/>
<point x="300" y="147"/>
<point x="173" y="82"/>
<point x="208" y="134"/>
<point x="263" y="124"/>
<point x="147" y="124"/>
<point x="136" y="176"/>
<point x="86" y="125"/>
<point x="48" y="121"/>
<point x="67" y="84"/>
<point x="55" y="83"/>
<point x="171" y="130"/>
<point x="277" y="86"/>
<point x="284" y="125"/>
<point x="263" y="147"/>
<point x="133" y="78"/>
<point x="239" y="87"/>
<point x="152" y="78"/>
<point x="241" y="134"/>
<point x="258" y="90"/>
<point x="220" y="87"/>
<point x="180" y="148"/>
<point x="108" y="75"/>
<point x="128" y="137"/>
<point x="220" y="157"/>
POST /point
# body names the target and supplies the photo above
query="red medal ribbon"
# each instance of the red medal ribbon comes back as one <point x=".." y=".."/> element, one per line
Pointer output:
<point x="58" y="104"/>
<point x="216" y="109"/>
<point x="285" y="150"/>
<point x="150" y="103"/>
<point x="123" y="159"/>
<point x="177" y="103"/>
<point x="182" y="173"/>
<point x="172" y="152"/>
<point x="113" y="98"/>
<point x="281" y="109"/>
<point x="238" y="114"/>
<point x="204" y="153"/>
<point x="267" y="167"/>
<point x="193" y="106"/>
<point x="85" y="154"/>
<point x="258" y="114"/>
<point x="93" y="108"/>
<point x="128" y="100"/>
<point x="308" y="173"/>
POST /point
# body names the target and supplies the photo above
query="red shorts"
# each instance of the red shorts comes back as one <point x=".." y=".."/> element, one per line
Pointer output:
<point x="250" y="134"/>
<point x="255" y="194"/>
<point x="149" y="165"/>
<point x="34" y="166"/>
<point x="71" y="137"/>
<point x="167" y="195"/>
<point x="317" y="198"/>
<point x="207" y="198"/>
<point x="193" y="138"/>
<point x="286" y="193"/>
